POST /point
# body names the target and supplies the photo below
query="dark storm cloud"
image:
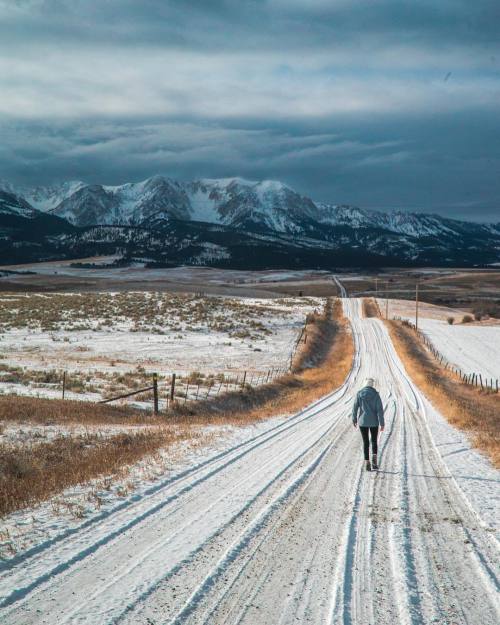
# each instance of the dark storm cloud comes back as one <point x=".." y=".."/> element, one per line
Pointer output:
<point x="389" y="104"/>
<point x="237" y="23"/>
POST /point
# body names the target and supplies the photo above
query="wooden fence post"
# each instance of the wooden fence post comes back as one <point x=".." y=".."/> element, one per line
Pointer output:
<point x="187" y="391"/>
<point x="172" y="387"/>
<point x="64" y="384"/>
<point x="197" y="392"/>
<point x="244" y="380"/>
<point x="155" y="393"/>
<point x="209" y="389"/>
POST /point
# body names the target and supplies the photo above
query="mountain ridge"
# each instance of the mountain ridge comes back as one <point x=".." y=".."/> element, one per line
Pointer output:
<point x="235" y="217"/>
<point x="181" y="198"/>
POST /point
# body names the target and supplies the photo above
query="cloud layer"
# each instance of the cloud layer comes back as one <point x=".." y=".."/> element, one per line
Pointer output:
<point x="392" y="104"/>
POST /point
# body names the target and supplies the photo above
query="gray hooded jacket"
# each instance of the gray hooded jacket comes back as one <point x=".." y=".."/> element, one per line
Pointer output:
<point x="369" y="406"/>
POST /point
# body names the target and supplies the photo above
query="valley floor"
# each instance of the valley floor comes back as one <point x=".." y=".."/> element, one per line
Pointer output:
<point x="285" y="526"/>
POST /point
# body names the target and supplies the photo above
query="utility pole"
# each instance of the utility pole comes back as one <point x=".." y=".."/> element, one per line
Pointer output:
<point x="387" y="300"/>
<point x="416" y="306"/>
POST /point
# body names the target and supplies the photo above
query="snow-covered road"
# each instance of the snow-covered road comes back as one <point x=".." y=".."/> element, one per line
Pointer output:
<point x="286" y="527"/>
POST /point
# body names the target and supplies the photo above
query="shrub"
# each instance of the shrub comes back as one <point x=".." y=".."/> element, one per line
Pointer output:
<point x="466" y="319"/>
<point x="478" y="316"/>
<point x="450" y="320"/>
<point x="487" y="309"/>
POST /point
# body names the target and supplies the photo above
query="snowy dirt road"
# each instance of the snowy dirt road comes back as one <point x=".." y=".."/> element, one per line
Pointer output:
<point x="283" y="528"/>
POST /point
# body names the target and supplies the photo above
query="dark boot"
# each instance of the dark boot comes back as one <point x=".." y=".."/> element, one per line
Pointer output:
<point x="374" y="462"/>
<point x="367" y="465"/>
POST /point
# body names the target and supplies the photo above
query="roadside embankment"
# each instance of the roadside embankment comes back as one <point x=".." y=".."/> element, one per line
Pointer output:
<point x="370" y="307"/>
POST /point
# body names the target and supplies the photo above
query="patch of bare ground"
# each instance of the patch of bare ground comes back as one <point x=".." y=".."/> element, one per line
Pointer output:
<point x="370" y="307"/>
<point x="36" y="472"/>
<point x="465" y="407"/>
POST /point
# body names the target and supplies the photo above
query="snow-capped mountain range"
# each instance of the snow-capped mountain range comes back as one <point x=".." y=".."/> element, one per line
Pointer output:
<point x="230" y="202"/>
<point x="235" y="202"/>
<point x="253" y="209"/>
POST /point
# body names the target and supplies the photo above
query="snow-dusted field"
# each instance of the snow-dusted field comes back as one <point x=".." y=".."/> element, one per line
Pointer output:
<point x="284" y="526"/>
<point x="112" y="342"/>
<point x="474" y="347"/>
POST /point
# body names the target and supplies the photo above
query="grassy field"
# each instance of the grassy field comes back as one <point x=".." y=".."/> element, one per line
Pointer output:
<point x="98" y="274"/>
<point x="110" y="343"/>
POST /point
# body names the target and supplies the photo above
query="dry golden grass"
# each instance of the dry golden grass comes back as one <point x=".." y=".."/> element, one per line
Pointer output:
<point x="370" y="307"/>
<point x="31" y="474"/>
<point x="55" y="411"/>
<point x="465" y="407"/>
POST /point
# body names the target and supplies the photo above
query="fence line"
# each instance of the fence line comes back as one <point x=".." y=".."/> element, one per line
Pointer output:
<point x="173" y="392"/>
<point x="472" y="379"/>
<point x="176" y="387"/>
<point x="173" y="385"/>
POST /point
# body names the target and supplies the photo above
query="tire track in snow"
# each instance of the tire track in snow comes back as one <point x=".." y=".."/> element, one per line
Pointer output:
<point x="127" y="517"/>
<point x="251" y="573"/>
<point x="150" y="554"/>
<point x="245" y="538"/>
<point x="301" y="555"/>
<point x="320" y="427"/>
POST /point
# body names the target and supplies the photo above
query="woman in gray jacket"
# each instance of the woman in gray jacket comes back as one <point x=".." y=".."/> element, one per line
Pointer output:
<point x="371" y="415"/>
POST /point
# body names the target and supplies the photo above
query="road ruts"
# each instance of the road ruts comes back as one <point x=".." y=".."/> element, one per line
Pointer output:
<point x="284" y="528"/>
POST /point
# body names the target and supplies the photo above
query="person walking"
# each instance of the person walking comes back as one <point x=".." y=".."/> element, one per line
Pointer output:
<point x="368" y="406"/>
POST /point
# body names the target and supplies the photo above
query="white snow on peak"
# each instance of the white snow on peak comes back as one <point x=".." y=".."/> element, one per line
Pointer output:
<point x="203" y="208"/>
<point x="272" y="186"/>
<point x="47" y="198"/>
<point x="225" y="182"/>
<point x="232" y="201"/>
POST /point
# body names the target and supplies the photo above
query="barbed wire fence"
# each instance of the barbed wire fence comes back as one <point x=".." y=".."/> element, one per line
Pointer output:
<point x="163" y="389"/>
<point x="194" y="386"/>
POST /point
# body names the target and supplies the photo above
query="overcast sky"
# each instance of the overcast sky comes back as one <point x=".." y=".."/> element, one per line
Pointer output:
<point x="379" y="103"/>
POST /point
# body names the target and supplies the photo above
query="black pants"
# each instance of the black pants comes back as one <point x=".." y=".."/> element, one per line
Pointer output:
<point x="373" y="431"/>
